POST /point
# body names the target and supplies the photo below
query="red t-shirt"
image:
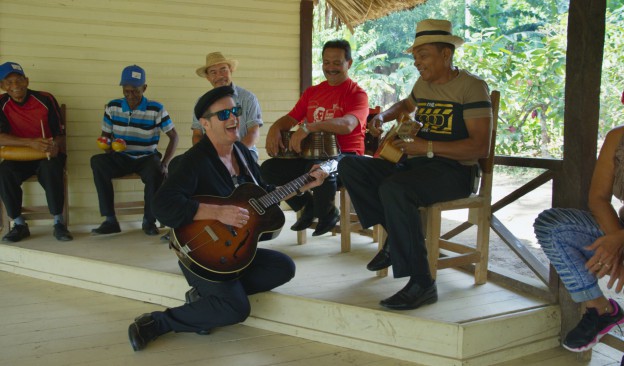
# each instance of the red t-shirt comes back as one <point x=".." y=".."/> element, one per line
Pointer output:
<point x="25" y="120"/>
<point x="323" y="101"/>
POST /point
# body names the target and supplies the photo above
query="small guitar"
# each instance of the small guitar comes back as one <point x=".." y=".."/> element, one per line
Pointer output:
<point x="405" y="129"/>
<point x="219" y="252"/>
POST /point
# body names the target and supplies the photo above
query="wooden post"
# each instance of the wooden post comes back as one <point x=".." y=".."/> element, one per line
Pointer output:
<point x="306" y="21"/>
<point x="586" y="31"/>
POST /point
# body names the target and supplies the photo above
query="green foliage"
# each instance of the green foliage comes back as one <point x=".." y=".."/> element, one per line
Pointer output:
<point x="517" y="46"/>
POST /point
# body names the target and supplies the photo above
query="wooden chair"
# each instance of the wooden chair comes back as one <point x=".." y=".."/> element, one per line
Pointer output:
<point x="349" y="221"/>
<point x="129" y="207"/>
<point x="480" y="214"/>
<point x="35" y="212"/>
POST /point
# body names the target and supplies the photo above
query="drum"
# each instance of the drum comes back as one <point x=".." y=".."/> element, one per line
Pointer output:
<point x="287" y="153"/>
<point x="320" y="145"/>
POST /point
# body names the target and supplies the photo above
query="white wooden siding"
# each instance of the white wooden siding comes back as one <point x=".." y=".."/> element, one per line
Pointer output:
<point x="77" y="49"/>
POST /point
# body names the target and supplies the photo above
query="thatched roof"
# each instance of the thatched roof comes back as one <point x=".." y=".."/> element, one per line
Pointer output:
<point x="355" y="12"/>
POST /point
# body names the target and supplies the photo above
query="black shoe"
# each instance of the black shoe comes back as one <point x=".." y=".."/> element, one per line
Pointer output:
<point x="61" y="233"/>
<point x="17" y="233"/>
<point x="591" y="328"/>
<point x="306" y="219"/>
<point x="381" y="260"/>
<point x="327" y="223"/>
<point x="142" y="331"/>
<point x="411" y="296"/>
<point x="150" y="229"/>
<point x="106" y="228"/>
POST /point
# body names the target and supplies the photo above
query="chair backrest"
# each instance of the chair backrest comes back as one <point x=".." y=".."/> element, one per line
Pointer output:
<point x="371" y="143"/>
<point x="487" y="164"/>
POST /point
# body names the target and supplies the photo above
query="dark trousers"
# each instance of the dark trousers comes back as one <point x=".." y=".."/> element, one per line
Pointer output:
<point x="280" y="171"/>
<point x="390" y="194"/>
<point x="112" y="165"/>
<point x="226" y="303"/>
<point x="50" y="176"/>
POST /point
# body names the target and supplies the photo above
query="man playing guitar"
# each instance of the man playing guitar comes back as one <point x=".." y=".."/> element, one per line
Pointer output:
<point x="216" y="166"/>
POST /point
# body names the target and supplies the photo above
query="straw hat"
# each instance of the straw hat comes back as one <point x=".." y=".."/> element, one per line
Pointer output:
<point x="214" y="59"/>
<point x="435" y="30"/>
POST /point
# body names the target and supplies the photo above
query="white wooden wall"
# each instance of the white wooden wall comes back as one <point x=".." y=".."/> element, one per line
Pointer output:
<point x="76" y="49"/>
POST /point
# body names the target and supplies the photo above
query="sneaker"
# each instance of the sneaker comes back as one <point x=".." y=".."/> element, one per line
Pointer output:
<point x="17" y="233"/>
<point x="61" y="233"/>
<point x="106" y="228"/>
<point x="150" y="229"/>
<point x="592" y="328"/>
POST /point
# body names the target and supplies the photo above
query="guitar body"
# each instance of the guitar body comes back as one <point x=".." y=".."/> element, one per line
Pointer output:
<point x="388" y="151"/>
<point x="219" y="252"/>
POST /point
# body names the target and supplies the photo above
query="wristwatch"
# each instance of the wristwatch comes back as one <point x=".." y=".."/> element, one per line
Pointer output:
<point x="304" y="127"/>
<point x="430" y="149"/>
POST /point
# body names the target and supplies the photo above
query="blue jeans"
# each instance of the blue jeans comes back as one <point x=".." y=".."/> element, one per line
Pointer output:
<point x="563" y="234"/>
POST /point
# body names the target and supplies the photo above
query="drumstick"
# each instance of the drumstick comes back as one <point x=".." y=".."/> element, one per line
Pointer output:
<point x="43" y="135"/>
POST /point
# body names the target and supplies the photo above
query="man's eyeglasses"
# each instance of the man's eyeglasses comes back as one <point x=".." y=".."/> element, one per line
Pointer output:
<point x="224" y="115"/>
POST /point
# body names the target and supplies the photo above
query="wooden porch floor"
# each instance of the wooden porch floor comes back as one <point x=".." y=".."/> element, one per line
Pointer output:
<point x="51" y="324"/>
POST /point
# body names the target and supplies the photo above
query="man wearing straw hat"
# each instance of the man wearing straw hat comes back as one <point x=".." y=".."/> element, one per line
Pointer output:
<point x="31" y="119"/>
<point x="455" y="110"/>
<point x="218" y="71"/>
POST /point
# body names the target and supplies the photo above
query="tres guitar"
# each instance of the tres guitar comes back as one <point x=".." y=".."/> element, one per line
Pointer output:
<point x="220" y="252"/>
<point x="406" y="130"/>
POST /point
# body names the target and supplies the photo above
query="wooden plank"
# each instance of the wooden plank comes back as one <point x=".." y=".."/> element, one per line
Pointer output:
<point x="542" y="163"/>
<point x="521" y="251"/>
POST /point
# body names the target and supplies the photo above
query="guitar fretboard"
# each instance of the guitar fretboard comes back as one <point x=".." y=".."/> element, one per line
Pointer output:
<point x="284" y="191"/>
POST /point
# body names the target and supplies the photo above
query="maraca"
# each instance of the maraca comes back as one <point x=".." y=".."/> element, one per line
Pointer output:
<point x="103" y="143"/>
<point x="119" y="145"/>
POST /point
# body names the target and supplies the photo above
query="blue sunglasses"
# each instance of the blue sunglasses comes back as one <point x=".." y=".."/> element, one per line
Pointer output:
<point x="224" y="115"/>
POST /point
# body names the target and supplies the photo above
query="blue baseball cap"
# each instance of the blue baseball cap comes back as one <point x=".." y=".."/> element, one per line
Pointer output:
<point x="133" y="76"/>
<point x="9" y="68"/>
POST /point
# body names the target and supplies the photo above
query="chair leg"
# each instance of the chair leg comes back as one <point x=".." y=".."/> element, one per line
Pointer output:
<point x="432" y="238"/>
<point x="483" y="244"/>
<point x="345" y="221"/>
<point x="301" y="235"/>
<point x="381" y="240"/>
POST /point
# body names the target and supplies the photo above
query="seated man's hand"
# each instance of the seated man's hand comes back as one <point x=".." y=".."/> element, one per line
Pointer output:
<point x="274" y="142"/>
<point x="374" y="125"/>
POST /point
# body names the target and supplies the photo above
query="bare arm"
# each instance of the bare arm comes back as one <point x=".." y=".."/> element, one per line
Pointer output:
<point x="39" y="143"/>
<point x="390" y="114"/>
<point x="171" y="147"/>
<point x="476" y="146"/>
<point x="601" y="189"/>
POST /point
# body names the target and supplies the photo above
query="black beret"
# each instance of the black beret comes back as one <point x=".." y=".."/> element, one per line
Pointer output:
<point x="210" y="98"/>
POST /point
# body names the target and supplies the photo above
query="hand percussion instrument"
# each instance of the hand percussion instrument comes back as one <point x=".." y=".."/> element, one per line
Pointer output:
<point x="405" y="131"/>
<point x="21" y="153"/>
<point x="319" y="145"/>
<point x="286" y="152"/>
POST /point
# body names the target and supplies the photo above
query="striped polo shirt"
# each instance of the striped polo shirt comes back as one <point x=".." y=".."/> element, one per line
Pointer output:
<point x="140" y="128"/>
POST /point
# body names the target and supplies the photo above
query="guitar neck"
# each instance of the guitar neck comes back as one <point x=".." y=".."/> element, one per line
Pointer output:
<point x="285" y="190"/>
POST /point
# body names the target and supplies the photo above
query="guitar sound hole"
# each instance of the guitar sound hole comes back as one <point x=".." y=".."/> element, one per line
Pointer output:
<point x="228" y="243"/>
